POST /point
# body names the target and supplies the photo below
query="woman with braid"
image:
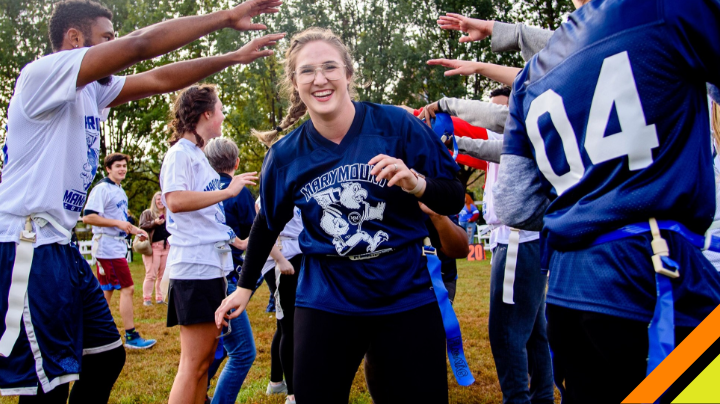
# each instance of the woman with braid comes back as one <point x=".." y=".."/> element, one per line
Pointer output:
<point x="364" y="287"/>
<point x="199" y="259"/>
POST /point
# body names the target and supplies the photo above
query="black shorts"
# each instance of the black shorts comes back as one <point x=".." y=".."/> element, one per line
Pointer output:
<point x="194" y="301"/>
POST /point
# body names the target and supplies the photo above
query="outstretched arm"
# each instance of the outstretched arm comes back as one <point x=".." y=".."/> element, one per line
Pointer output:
<point x="505" y="37"/>
<point x="111" y="57"/>
<point x="179" y="75"/>
<point x="502" y="74"/>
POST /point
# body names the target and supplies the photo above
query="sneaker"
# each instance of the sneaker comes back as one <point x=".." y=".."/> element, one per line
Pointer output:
<point x="279" y="389"/>
<point x="289" y="401"/>
<point x="160" y="302"/>
<point x="147" y="303"/>
<point x="134" y="341"/>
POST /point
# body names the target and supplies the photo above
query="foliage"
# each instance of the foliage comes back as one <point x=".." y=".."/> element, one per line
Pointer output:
<point x="390" y="41"/>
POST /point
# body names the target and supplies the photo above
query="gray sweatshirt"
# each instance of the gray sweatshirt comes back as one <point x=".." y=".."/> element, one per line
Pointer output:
<point x="519" y="37"/>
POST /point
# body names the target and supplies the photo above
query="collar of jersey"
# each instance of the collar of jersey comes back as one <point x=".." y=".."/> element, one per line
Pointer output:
<point x="109" y="181"/>
<point x="351" y="134"/>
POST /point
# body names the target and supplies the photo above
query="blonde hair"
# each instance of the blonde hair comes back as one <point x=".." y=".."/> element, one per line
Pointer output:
<point x="287" y="89"/>
<point x="154" y="210"/>
<point x="715" y="124"/>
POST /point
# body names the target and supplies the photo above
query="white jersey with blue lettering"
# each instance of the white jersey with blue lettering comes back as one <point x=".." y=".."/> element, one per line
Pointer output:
<point x="109" y="200"/>
<point x="51" y="151"/>
<point x="194" y="235"/>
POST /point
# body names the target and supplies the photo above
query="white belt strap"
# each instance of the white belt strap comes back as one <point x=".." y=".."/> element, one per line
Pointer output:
<point x="510" y="264"/>
<point x="18" y="288"/>
<point x="20" y="276"/>
<point x="278" y="307"/>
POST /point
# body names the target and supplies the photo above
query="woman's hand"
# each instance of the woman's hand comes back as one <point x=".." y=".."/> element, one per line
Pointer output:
<point x="461" y="67"/>
<point x="253" y="49"/>
<point x="476" y="30"/>
<point x="394" y="170"/>
<point x="239" y="181"/>
<point x="159" y="221"/>
<point x="285" y="267"/>
<point x="238" y="300"/>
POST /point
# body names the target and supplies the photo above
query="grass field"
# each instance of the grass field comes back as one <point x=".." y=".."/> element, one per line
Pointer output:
<point x="148" y="375"/>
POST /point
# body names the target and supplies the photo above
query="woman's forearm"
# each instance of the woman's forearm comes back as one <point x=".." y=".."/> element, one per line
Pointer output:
<point x="188" y="201"/>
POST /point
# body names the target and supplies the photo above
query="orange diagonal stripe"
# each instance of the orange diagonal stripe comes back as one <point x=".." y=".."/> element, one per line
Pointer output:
<point x="678" y="361"/>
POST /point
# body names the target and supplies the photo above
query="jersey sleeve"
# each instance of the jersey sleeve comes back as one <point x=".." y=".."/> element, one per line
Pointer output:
<point x="176" y="173"/>
<point x="107" y="93"/>
<point x="276" y="196"/>
<point x="515" y="139"/>
<point x="695" y="31"/>
<point x="49" y="82"/>
<point x="424" y="151"/>
<point x="96" y="200"/>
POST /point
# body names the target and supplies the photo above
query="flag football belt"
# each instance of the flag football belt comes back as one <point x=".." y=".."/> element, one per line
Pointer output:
<point x="455" y="351"/>
<point x="661" y="332"/>
<point x="17" y="295"/>
<point x="366" y="256"/>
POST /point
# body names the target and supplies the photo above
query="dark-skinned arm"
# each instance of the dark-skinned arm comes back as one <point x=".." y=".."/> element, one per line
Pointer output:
<point x="453" y="238"/>
<point x="111" y="57"/>
<point x="179" y="75"/>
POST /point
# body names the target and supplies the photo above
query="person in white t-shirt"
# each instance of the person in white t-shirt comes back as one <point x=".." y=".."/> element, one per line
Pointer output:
<point x="55" y="326"/>
<point x="200" y="257"/>
<point x="106" y="211"/>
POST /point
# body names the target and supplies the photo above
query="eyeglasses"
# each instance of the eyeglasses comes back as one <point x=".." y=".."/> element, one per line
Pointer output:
<point x="331" y="71"/>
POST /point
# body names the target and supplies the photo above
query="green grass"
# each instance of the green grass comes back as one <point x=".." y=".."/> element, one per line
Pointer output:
<point x="148" y="375"/>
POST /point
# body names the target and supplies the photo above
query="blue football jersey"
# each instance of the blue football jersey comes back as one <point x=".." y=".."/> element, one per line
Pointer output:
<point x="348" y="212"/>
<point x="614" y="111"/>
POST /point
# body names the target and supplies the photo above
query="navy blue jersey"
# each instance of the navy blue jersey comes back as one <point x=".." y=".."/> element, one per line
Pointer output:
<point x="614" y="111"/>
<point x="349" y="213"/>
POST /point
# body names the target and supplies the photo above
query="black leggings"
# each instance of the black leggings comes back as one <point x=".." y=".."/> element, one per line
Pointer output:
<point x="405" y="352"/>
<point x="281" y="351"/>
<point x="599" y="358"/>
<point x="98" y="375"/>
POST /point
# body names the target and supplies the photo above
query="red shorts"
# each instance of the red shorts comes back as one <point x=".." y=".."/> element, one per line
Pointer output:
<point x="117" y="274"/>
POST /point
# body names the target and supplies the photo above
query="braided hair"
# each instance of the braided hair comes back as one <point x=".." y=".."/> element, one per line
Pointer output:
<point x="187" y="109"/>
<point x="297" y="107"/>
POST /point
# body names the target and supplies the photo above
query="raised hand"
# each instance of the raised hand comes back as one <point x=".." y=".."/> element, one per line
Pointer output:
<point x="239" y="181"/>
<point x="462" y="67"/>
<point x="241" y="16"/>
<point x="476" y="30"/>
<point x="252" y="50"/>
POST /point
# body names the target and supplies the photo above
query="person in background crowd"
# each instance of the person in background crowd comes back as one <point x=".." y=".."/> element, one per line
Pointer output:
<point x="152" y="221"/>
<point x="222" y="154"/>
<point x="284" y="263"/>
<point x="468" y="216"/>
<point x="714" y="229"/>
<point x="106" y="211"/>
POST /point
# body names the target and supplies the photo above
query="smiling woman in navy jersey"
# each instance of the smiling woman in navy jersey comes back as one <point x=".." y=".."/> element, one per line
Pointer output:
<point x="364" y="281"/>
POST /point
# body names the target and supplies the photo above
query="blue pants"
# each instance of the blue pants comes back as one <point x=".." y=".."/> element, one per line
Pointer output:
<point x="518" y="332"/>
<point x="240" y="347"/>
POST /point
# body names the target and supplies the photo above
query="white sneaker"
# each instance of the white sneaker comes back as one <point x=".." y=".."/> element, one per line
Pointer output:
<point x="279" y="389"/>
